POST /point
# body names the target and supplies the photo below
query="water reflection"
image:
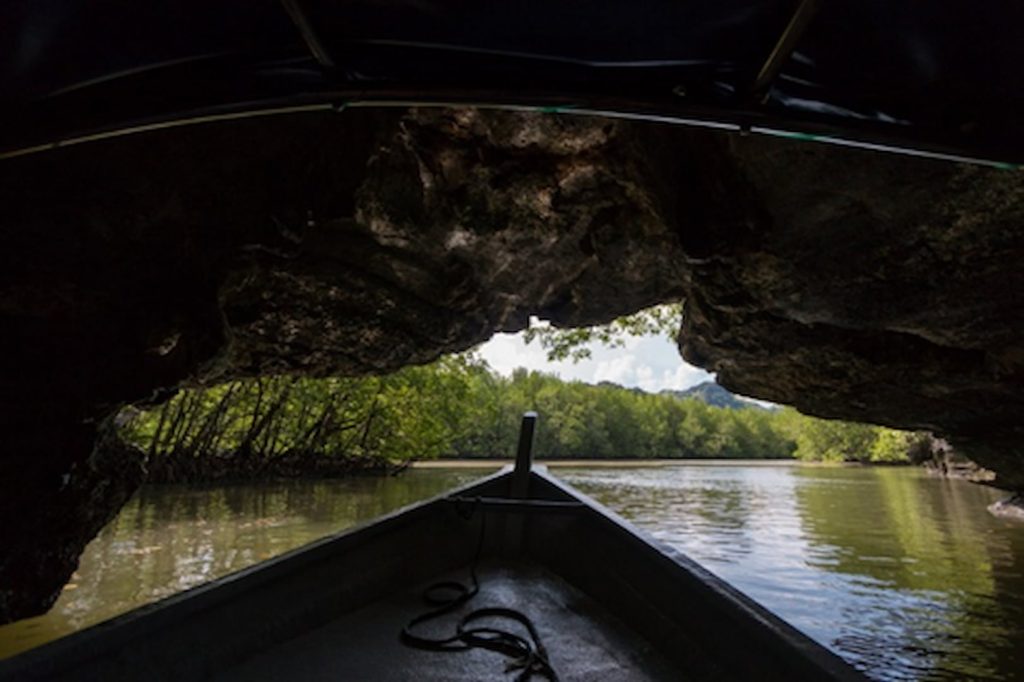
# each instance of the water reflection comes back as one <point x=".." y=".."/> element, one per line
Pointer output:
<point x="926" y="552"/>
<point x="718" y="513"/>
<point x="170" y="538"/>
<point x="905" y="576"/>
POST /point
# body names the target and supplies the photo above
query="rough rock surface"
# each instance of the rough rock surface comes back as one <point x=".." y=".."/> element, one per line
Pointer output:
<point x="1010" y="508"/>
<point x="850" y="284"/>
<point x="62" y="520"/>
<point x="879" y="289"/>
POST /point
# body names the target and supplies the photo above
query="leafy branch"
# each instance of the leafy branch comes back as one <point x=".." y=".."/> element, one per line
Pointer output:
<point x="572" y="344"/>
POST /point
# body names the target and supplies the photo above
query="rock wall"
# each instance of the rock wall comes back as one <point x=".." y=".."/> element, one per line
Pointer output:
<point x="879" y="289"/>
<point x="851" y="284"/>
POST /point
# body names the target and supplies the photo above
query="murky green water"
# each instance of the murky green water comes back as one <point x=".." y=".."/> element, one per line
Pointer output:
<point x="172" y="537"/>
<point x="905" y="576"/>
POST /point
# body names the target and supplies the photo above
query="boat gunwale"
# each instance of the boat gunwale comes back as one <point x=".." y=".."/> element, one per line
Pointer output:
<point x="744" y="608"/>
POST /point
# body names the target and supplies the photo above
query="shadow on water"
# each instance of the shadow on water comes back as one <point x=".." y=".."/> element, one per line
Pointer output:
<point x="170" y="538"/>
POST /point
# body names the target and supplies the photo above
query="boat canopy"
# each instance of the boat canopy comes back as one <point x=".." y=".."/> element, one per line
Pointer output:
<point x="935" y="78"/>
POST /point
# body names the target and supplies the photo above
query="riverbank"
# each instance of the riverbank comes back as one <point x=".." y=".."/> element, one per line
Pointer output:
<point x="225" y="469"/>
<point x="233" y="467"/>
<point x="603" y="463"/>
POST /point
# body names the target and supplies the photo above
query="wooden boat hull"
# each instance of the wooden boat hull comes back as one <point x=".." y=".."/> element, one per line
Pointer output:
<point x="696" y="625"/>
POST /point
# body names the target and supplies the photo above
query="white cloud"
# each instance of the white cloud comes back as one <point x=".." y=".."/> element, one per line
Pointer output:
<point x="506" y="352"/>
<point x="619" y="370"/>
<point x="631" y="343"/>
<point x="651" y="363"/>
<point x="646" y="380"/>
<point x="686" y="375"/>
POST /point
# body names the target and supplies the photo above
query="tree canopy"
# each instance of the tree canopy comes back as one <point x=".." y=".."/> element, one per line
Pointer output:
<point x="459" y="407"/>
<point x="571" y="343"/>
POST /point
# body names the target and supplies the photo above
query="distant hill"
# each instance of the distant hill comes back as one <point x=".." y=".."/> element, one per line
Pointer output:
<point x="714" y="395"/>
<point x="620" y="387"/>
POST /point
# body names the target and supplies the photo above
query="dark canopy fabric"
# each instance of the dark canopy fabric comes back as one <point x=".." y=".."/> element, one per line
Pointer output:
<point x="943" y="77"/>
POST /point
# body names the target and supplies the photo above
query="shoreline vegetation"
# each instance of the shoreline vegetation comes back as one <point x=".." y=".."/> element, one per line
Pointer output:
<point x="459" y="409"/>
<point x="653" y="463"/>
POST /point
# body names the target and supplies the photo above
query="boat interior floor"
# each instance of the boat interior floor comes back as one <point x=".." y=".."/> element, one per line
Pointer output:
<point x="583" y="641"/>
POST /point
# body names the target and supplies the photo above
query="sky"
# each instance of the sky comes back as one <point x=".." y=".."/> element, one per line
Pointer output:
<point x="651" y="363"/>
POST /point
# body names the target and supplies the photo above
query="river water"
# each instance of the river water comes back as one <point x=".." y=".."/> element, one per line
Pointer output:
<point x="905" y="576"/>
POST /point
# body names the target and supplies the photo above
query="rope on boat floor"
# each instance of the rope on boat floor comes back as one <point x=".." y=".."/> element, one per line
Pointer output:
<point x="527" y="654"/>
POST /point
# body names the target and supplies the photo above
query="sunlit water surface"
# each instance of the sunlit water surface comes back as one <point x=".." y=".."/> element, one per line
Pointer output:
<point x="905" y="576"/>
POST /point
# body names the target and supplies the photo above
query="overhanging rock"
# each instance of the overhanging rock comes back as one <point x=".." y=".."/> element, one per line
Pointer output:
<point x="851" y="284"/>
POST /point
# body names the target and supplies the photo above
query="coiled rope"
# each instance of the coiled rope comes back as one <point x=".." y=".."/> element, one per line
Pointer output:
<point x="527" y="654"/>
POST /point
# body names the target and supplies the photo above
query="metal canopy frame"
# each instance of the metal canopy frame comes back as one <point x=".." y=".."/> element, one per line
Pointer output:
<point x="892" y="75"/>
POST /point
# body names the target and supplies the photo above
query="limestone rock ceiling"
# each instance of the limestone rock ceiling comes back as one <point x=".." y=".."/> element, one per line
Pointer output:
<point x="464" y="224"/>
<point x="851" y="284"/>
<point x="881" y="289"/>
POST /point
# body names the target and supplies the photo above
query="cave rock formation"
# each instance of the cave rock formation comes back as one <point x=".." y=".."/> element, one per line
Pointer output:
<point x="852" y="284"/>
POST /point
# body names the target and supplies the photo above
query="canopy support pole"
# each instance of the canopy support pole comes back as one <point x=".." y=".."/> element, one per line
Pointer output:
<point x="783" y="49"/>
<point x="302" y="22"/>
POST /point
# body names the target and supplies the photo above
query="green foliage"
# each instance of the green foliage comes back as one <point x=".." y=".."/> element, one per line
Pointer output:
<point x="251" y="425"/>
<point x="562" y="344"/>
<point x="459" y="407"/>
<point x="830" y="440"/>
<point x="605" y="422"/>
<point x="696" y="429"/>
<point x="895" y="446"/>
